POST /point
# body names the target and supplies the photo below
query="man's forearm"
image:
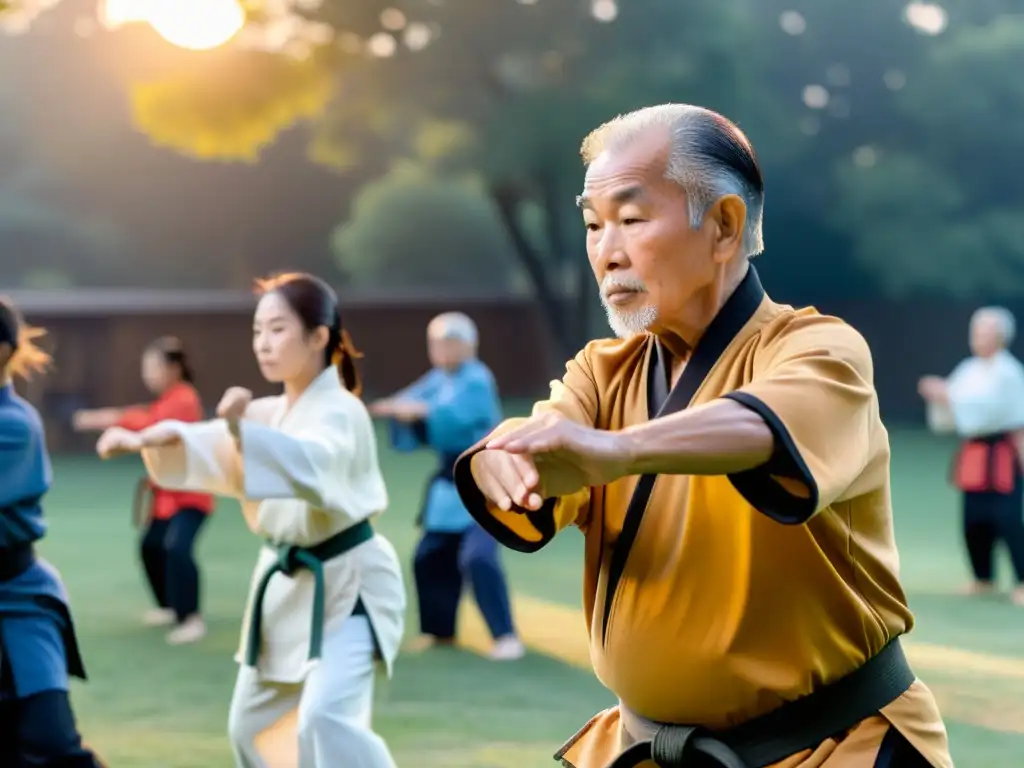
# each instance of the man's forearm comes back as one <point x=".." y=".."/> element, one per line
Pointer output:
<point x="719" y="438"/>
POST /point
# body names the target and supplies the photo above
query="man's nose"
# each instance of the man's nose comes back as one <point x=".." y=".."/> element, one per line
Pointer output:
<point x="610" y="253"/>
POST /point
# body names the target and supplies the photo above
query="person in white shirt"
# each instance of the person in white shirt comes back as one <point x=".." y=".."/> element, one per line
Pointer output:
<point x="982" y="402"/>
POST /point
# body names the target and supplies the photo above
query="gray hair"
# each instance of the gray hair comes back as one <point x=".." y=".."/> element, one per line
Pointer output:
<point x="709" y="157"/>
<point x="454" y="326"/>
<point x="1003" y="319"/>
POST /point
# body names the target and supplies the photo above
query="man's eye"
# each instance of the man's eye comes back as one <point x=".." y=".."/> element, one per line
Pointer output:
<point x="591" y="226"/>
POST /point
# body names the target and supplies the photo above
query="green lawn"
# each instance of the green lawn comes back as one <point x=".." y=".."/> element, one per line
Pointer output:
<point x="148" y="705"/>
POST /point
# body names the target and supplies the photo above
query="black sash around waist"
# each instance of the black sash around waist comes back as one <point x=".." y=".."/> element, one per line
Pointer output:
<point x="15" y="560"/>
<point x="290" y="560"/>
<point x="445" y="471"/>
<point x="790" y="729"/>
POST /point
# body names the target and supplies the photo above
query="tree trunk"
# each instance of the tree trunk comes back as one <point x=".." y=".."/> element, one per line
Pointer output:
<point x="549" y="300"/>
<point x="573" y="266"/>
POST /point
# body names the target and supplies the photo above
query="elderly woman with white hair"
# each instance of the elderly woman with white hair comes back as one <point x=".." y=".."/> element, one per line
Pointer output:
<point x="982" y="402"/>
<point x="447" y="410"/>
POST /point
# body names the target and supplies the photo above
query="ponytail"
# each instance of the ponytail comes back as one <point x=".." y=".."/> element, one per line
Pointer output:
<point x="344" y="358"/>
<point x="173" y="353"/>
<point x="27" y="358"/>
<point x="180" y="359"/>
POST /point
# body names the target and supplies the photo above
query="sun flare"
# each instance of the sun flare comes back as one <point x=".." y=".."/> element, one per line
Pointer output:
<point x="197" y="25"/>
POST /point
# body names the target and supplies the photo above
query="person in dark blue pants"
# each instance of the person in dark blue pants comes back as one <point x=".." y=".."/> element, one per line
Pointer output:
<point x="38" y="648"/>
<point x="448" y="410"/>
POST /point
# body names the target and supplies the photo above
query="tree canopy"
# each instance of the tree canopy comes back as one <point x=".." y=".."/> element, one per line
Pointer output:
<point x="886" y="129"/>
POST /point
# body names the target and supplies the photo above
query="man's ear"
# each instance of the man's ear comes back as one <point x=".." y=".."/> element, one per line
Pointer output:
<point x="729" y="214"/>
<point x="6" y="353"/>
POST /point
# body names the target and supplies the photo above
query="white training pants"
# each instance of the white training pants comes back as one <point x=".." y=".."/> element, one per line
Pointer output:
<point x="334" y="707"/>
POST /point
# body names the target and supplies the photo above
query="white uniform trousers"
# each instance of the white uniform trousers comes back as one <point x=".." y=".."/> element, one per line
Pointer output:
<point x="334" y="707"/>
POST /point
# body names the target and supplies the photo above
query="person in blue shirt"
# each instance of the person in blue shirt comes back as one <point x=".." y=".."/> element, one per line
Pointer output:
<point x="449" y="409"/>
<point x="38" y="648"/>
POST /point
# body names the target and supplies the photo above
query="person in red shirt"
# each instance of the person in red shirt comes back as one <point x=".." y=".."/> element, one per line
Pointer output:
<point x="175" y="518"/>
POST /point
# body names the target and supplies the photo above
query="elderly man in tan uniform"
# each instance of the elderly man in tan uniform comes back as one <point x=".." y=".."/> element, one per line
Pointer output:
<point x="726" y="463"/>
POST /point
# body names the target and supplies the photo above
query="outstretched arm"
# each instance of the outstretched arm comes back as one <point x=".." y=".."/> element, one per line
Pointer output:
<point x="526" y="521"/>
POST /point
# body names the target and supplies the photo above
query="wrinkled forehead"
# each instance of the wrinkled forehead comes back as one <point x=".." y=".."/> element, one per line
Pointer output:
<point x="452" y="327"/>
<point x="627" y="172"/>
<point x="986" y="322"/>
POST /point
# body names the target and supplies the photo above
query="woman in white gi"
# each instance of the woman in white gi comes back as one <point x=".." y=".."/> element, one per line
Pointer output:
<point x="982" y="402"/>
<point x="327" y="596"/>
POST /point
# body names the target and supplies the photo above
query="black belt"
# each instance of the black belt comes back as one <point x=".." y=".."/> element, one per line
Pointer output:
<point x="291" y="559"/>
<point x="15" y="560"/>
<point x="445" y="471"/>
<point x="788" y="730"/>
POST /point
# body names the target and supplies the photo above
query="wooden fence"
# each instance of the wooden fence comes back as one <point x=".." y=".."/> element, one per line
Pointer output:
<point x="98" y="336"/>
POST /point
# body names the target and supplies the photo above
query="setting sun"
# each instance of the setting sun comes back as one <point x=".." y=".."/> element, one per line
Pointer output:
<point x="194" y="24"/>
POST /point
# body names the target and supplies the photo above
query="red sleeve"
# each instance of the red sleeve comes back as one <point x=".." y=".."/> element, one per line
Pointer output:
<point x="180" y="404"/>
<point x="137" y="418"/>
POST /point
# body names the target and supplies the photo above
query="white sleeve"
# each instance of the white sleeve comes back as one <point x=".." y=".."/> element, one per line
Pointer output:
<point x="276" y="465"/>
<point x="992" y="405"/>
<point x="205" y="460"/>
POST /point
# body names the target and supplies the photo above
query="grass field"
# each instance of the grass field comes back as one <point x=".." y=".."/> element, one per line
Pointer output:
<point x="148" y="705"/>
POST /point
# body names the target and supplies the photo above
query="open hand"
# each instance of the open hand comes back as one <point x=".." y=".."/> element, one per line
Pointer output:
<point x="568" y="452"/>
<point x="507" y="479"/>
<point x="87" y="420"/>
<point x="382" y="408"/>
<point x="408" y="411"/>
<point x="118" y="441"/>
<point x="933" y="389"/>
<point x="233" y="404"/>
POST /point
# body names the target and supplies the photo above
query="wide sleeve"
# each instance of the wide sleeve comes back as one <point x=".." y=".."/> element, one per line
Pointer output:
<point x="455" y="422"/>
<point x="421" y="389"/>
<point x="307" y="465"/>
<point x="137" y="418"/>
<point x="179" y="404"/>
<point x="23" y="478"/>
<point x="576" y="398"/>
<point x="205" y="459"/>
<point x="990" y="401"/>
<point x="813" y="386"/>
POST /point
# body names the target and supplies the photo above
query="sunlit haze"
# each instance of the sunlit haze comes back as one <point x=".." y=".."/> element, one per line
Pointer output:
<point x="194" y="24"/>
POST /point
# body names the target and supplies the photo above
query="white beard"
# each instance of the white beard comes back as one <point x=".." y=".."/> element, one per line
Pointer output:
<point x="626" y="324"/>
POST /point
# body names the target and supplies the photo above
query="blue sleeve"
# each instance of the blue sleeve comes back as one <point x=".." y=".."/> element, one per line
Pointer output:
<point x="473" y="410"/>
<point x="24" y="478"/>
<point x="15" y="442"/>
<point x="421" y="389"/>
<point x="406" y="438"/>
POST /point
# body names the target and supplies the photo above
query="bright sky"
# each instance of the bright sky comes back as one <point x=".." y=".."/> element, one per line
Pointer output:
<point x="194" y="24"/>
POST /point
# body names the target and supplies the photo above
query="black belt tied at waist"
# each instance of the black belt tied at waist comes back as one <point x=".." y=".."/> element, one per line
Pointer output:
<point x="783" y="732"/>
<point x="291" y="559"/>
<point x="15" y="560"/>
<point x="445" y="471"/>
